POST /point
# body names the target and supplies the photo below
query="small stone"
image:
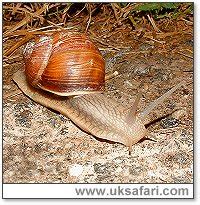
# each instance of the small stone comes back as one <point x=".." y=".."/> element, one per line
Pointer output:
<point x="169" y="122"/>
<point x="75" y="170"/>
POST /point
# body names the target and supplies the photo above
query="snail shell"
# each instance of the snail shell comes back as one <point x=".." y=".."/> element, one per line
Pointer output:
<point x="65" y="63"/>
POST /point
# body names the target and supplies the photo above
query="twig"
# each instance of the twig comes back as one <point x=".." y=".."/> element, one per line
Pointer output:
<point x="90" y="17"/>
<point x="115" y="12"/>
<point x="45" y="27"/>
<point x="153" y="23"/>
<point x="27" y="19"/>
<point x="161" y="42"/>
<point x="36" y="31"/>
<point x="80" y="11"/>
<point x="6" y="65"/>
<point x="187" y="50"/>
<point x="187" y="21"/>
<point x="18" y="44"/>
<point x="11" y="58"/>
<point x="24" y="10"/>
<point x="105" y="44"/>
<point x="54" y="24"/>
<point x="191" y="57"/>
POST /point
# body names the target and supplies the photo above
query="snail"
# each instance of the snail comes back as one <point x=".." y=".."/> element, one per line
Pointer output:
<point x="66" y="72"/>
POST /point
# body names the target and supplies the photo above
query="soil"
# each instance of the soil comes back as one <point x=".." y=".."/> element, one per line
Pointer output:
<point x="42" y="146"/>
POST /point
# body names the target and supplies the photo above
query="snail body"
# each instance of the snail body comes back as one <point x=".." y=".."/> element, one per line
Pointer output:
<point x="95" y="113"/>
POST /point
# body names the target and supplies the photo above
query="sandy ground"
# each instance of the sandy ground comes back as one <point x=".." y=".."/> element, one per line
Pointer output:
<point x="41" y="145"/>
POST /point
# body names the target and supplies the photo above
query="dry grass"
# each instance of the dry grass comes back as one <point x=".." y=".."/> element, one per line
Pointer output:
<point x="22" y="21"/>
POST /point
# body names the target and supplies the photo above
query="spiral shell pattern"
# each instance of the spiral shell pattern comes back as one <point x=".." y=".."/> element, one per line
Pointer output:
<point x="65" y="63"/>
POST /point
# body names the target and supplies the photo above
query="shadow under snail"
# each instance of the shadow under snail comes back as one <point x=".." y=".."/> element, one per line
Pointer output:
<point x="69" y="64"/>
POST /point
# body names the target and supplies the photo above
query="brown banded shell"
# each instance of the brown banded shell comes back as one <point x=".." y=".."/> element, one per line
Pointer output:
<point x="65" y="63"/>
